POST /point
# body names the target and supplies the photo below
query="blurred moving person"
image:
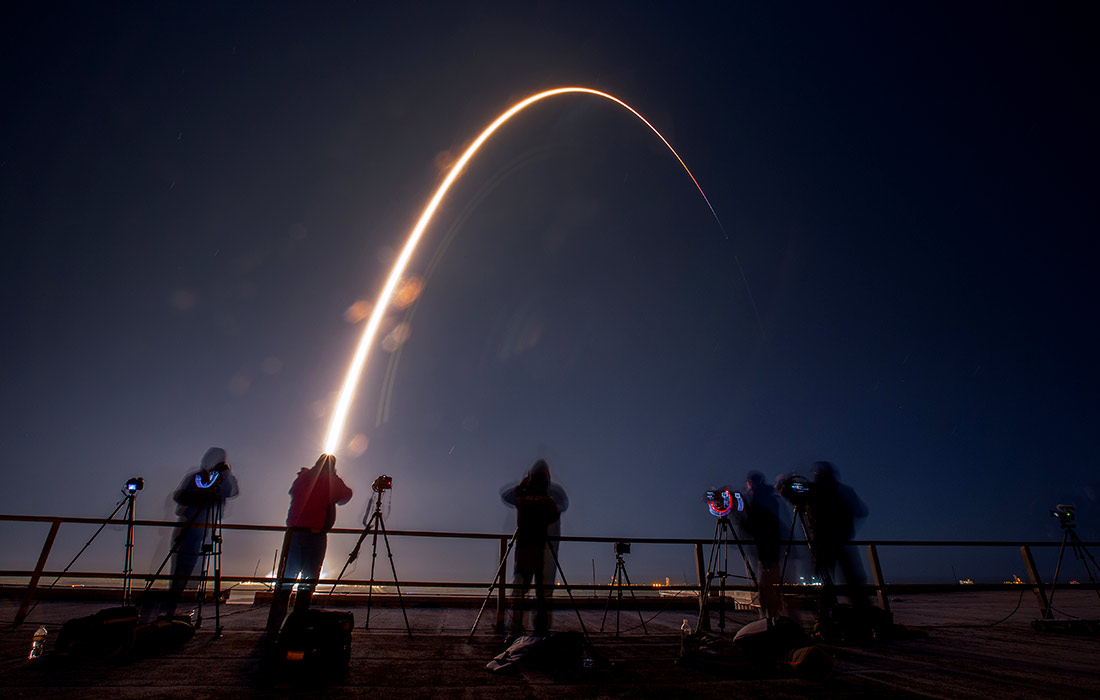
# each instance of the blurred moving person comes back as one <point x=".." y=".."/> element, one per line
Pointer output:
<point x="199" y="501"/>
<point x="314" y="496"/>
<point x="760" y="521"/>
<point x="832" y="511"/>
<point x="539" y="505"/>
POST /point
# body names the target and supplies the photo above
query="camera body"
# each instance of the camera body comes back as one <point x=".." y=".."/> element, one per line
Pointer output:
<point x="1065" y="514"/>
<point x="720" y="502"/>
<point x="134" y="485"/>
<point x="794" y="488"/>
<point x="382" y="483"/>
<point x="622" y="548"/>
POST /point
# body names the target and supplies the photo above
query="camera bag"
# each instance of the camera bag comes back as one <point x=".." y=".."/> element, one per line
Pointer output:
<point x="320" y="638"/>
<point x="107" y="634"/>
<point x="165" y="634"/>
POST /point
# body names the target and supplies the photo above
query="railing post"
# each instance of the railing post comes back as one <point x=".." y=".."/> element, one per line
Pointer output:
<point x="280" y="570"/>
<point x="24" y="607"/>
<point x="701" y="576"/>
<point x="876" y="573"/>
<point x="502" y="599"/>
<point x="1036" y="582"/>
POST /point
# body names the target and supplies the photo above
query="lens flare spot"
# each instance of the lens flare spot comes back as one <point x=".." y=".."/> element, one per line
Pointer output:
<point x="445" y="160"/>
<point x="240" y="384"/>
<point x="184" y="300"/>
<point x="358" y="445"/>
<point x="357" y="312"/>
<point x="408" y="292"/>
<point x="397" y="337"/>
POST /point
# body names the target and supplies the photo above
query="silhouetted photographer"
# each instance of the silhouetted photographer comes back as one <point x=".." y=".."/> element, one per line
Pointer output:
<point x="832" y="511"/>
<point x="539" y="505"/>
<point x="760" y="521"/>
<point x="314" y="496"/>
<point x="199" y="502"/>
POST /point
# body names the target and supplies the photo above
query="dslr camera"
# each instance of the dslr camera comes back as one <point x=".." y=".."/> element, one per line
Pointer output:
<point x="134" y="485"/>
<point x="794" y="488"/>
<point x="382" y="483"/>
<point x="622" y="548"/>
<point x="1065" y="514"/>
<point x="720" y="502"/>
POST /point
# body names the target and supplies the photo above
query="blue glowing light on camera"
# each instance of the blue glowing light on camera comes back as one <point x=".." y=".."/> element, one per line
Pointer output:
<point x="202" y="483"/>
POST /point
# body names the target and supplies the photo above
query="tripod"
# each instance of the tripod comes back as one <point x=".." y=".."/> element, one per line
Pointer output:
<point x="498" y="580"/>
<point x="376" y="522"/>
<point x="212" y="522"/>
<point x="129" y="495"/>
<point x="1069" y="534"/>
<point x="212" y="554"/>
<point x="798" y="516"/>
<point x="128" y="561"/>
<point x="719" y="557"/>
<point x="617" y="582"/>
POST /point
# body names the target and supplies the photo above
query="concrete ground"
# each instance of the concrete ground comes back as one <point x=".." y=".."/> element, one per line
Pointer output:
<point x="962" y="657"/>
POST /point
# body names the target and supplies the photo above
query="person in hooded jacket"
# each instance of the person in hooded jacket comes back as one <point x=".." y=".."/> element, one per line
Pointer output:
<point x="539" y="505"/>
<point x="314" y="496"/>
<point x="199" y="500"/>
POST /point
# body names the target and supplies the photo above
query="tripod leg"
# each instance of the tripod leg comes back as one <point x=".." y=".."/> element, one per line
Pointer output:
<point x="610" y="591"/>
<point x="620" y="569"/>
<point x="635" y="598"/>
<point x="393" y="568"/>
<point x="570" y="592"/>
<point x="1057" y="568"/>
<point x="201" y="593"/>
<point x="725" y="553"/>
<point x="373" y="558"/>
<point x="351" y="557"/>
<point x="704" y="594"/>
<point x="128" y="564"/>
<point x="216" y="553"/>
<point x="748" y="566"/>
<point x="498" y="577"/>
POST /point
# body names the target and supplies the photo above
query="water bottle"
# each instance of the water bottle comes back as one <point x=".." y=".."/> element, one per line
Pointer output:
<point x="685" y="629"/>
<point x="38" y="643"/>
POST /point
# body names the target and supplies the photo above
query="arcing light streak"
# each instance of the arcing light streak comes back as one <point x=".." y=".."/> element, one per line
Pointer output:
<point x="356" y="368"/>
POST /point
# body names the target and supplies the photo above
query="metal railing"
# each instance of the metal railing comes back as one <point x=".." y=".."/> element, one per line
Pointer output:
<point x="879" y="586"/>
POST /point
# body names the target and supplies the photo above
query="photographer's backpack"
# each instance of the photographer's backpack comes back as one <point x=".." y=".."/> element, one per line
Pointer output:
<point x="316" y="639"/>
<point x="108" y="634"/>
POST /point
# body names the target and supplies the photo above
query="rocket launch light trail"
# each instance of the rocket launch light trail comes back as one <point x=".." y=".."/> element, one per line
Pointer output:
<point x="359" y="359"/>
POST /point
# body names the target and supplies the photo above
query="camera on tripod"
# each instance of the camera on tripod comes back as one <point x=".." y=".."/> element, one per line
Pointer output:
<point x="1065" y="514"/>
<point x="382" y="483"/>
<point x="134" y="485"/>
<point x="720" y="501"/>
<point x="622" y="548"/>
<point x="794" y="488"/>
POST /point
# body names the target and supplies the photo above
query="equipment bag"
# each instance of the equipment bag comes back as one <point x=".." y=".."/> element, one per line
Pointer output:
<point x="316" y="638"/>
<point x="770" y="638"/>
<point x="812" y="663"/>
<point x="105" y="635"/>
<point x="163" y="635"/>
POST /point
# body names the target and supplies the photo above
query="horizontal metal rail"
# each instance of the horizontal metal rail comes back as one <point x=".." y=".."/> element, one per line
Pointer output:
<point x="879" y="585"/>
<point x="564" y="538"/>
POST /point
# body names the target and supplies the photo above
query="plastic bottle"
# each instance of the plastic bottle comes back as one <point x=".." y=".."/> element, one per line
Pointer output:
<point x="38" y="643"/>
<point x="685" y="629"/>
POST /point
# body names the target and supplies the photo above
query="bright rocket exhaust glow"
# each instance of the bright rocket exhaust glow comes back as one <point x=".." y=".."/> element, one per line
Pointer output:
<point x="359" y="359"/>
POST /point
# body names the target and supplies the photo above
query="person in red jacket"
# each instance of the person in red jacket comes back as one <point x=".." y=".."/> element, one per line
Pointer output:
<point x="314" y="496"/>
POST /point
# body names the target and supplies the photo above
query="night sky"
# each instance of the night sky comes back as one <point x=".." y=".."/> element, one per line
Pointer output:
<point x="194" y="196"/>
